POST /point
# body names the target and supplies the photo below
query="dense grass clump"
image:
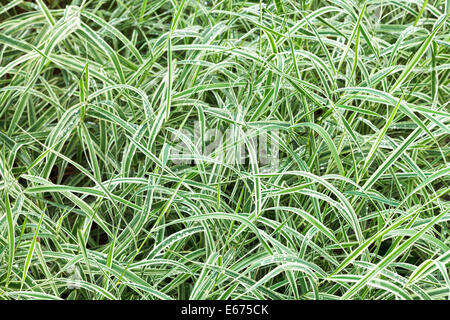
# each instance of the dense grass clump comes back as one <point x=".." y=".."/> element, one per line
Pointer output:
<point x="98" y="98"/>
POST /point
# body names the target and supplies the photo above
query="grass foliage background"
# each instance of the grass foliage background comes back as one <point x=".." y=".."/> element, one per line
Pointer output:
<point x="93" y="206"/>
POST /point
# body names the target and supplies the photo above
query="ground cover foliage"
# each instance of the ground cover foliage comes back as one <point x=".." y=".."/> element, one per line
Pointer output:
<point x="96" y="95"/>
